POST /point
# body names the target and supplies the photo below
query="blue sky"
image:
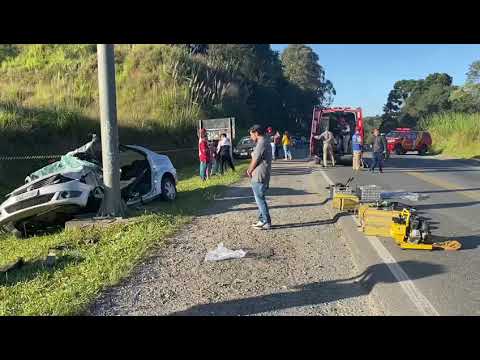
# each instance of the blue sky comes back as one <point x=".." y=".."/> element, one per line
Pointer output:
<point x="363" y="75"/>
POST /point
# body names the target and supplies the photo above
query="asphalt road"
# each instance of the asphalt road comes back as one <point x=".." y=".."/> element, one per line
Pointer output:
<point x="453" y="206"/>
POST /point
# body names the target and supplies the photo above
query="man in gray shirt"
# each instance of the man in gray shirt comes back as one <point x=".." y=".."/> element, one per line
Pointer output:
<point x="259" y="171"/>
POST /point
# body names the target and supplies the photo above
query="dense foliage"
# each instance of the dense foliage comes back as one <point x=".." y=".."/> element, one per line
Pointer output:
<point x="410" y="101"/>
<point x="49" y="94"/>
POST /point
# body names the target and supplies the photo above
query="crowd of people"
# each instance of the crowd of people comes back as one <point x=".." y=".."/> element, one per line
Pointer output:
<point x="216" y="155"/>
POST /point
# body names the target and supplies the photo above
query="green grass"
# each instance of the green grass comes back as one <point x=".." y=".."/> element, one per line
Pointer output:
<point x="49" y="99"/>
<point x="455" y="134"/>
<point x="96" y="258"/>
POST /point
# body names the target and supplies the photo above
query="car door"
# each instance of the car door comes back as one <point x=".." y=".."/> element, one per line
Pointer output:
<point x="134" y="164"/>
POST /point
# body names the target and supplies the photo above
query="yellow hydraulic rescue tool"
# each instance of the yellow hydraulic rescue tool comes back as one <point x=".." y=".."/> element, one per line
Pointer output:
<point x="411" y="233"/>
<point x="404" y="226"/>
<point x="386" y="219"/>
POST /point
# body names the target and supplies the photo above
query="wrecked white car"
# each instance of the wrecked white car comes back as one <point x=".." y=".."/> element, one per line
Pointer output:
<point x="73" y="185"/>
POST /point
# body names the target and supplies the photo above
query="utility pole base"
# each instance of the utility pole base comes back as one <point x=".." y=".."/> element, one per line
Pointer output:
<point x="118" y="210"/>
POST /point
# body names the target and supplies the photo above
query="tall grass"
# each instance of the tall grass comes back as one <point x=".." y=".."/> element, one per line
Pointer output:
<point x="49" y="99"/>
<point x="454" y="134"/>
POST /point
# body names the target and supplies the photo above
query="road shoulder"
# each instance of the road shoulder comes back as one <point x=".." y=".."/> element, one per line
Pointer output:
<point x="301" y="267"/>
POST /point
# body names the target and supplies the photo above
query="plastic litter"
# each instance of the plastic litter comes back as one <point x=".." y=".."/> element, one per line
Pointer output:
<point x="403" y="195"/>
<point x="222" y="253"/>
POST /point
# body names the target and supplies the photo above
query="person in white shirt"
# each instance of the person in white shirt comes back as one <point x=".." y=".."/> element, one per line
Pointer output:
<point x="224" y="150"/>
<point x="328" y="140"/>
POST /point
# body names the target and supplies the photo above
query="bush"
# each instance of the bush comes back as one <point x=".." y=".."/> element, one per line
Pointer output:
<point x="455" y="134"/>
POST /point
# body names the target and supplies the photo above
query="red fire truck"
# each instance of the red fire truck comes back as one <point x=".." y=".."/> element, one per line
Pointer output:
<point x="402" y="140"/>
<point x="330" y="118"/>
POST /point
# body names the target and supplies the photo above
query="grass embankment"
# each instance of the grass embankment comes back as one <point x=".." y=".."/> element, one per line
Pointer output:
<point x="455" y="134"/>
<point x="96" y="258"/>
<point x="49" y="101"/>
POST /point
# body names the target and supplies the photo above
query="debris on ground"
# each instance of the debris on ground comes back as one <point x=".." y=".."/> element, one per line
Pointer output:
<point x="222" y="253"/>
<point x="403" y="195"/>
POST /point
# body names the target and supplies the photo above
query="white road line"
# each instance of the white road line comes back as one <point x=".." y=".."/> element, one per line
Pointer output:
<point x="416" y="297"/>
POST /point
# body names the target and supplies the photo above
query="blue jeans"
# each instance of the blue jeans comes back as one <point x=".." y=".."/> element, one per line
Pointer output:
<point x="259" y="190"/>
<point x="377" y="161"/>
<point x="203" y="170"/>
<point x="287" y="152"/>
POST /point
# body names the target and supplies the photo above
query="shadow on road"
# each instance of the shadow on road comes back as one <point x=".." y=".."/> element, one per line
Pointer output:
<point x="445" y="191"/>
<point x="426" y="165"/>
<point x="423" y="207"/>
<point x="297" y="171"/>
<point x="311" y="223"/>
<point x="314" y="293"/>
<point x="282" y="206"/>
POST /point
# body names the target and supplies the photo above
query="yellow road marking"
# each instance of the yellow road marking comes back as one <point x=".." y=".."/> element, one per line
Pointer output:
<point x="475" y="195"/>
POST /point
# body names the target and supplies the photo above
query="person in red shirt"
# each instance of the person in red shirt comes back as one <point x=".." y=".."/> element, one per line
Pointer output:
<point x="203" y="154"/>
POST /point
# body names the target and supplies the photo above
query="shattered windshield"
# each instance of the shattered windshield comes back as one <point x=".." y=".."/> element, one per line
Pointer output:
<point x="67" y="163"/>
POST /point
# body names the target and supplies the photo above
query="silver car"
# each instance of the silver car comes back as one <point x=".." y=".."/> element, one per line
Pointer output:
<point x="74" y="185"/>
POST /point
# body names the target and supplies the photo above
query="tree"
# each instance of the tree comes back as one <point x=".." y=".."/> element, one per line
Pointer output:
<point x="306" y="85"/>
<point x="301" y="67"/>
<point x="411" y="100"/>
<point x="473" y="74"/>
<point x="258" y="75"/>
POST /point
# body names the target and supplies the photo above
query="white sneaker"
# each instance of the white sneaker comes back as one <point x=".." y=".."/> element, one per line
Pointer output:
<point x="258" y="225"/>
<point x="267" y="226"/>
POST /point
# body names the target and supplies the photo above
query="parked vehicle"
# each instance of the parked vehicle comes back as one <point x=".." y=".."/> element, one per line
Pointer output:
<point x="73" y="185"/>
<point x="402" y="140"/>
<point x="244" y="148"/>
<point x="329" y="119"/>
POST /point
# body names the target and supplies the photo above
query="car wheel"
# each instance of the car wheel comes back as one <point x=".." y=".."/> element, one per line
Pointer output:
<point x="399" y="150"/>
<point x="422" y="151"/>
<point x="169" y="191"/>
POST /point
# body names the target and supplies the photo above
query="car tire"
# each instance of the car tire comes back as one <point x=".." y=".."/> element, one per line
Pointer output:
<point x="422" y="151"/>
<point x="169" y="190"/>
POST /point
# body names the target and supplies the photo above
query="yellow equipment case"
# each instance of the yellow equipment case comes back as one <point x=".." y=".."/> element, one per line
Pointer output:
<point x="377" y="221"/>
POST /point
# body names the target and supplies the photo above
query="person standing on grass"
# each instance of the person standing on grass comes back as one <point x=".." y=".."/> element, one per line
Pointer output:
<point x="224" y="152"/>
<point x="277" y="139"/>
<point x="357" y="149"/>
<point x="328" y="141"/>
<point x="212" y="165"/>
<point x="379" y="151"/>
<point x="287" y="142"/>
<point x="203" y="154"/>
<point x="259" y="171"/>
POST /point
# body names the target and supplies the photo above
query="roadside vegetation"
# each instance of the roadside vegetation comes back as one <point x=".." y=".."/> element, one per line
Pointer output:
<point x="449" y="112"/>
<point x="455" y="134"/>
<point x="49" y="95"/>
<point x="89" y="260"/>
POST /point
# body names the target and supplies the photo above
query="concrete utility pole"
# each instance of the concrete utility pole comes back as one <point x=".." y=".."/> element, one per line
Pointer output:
<point x="112" y="204"/>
